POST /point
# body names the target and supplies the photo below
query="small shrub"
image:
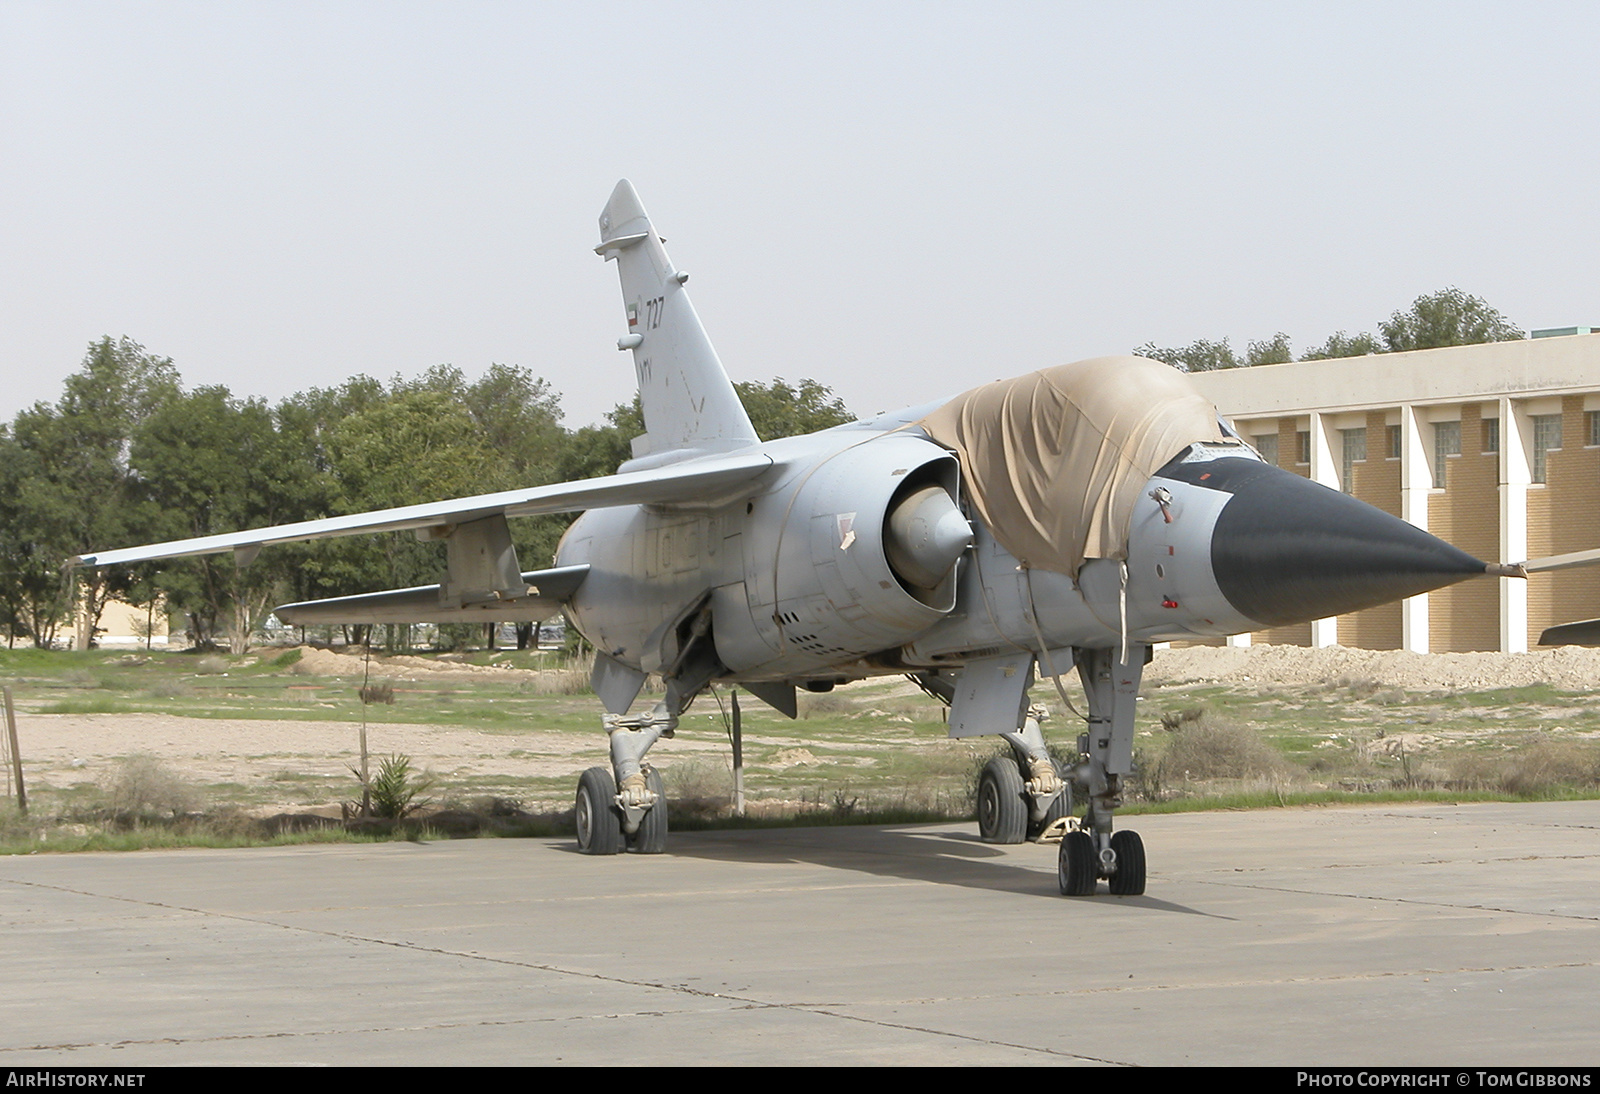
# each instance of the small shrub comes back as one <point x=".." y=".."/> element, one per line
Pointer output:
<point x="382" y="692"/>
<point x="170" y="689"/>
<point x="1174" y="720"/>
<point x="698" y="788"/>
<point x="210" y="666"/>
<point x="1545" y="766"/>
<point x="1208" y="748"/>
<point x="142" y="786"/>
<point x="825" y="704"/>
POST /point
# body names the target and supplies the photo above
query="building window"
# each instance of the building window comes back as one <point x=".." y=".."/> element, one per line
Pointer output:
<point x="1305" y="446"/>
<point x="1394" y="442"/>
<point x="1546" y="439"/>
<point x="1593" y="419"/>
<point x="1446" y="442"/>
<point x="1491" y="436"/>
<point x="1267" y="445"/>
<point x="1355" y="451"/>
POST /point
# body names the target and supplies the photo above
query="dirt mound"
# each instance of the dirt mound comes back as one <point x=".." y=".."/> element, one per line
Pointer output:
<point x="320" y="662"/>
<point x="315" y="661"/>
<point x="1569" y="668"/>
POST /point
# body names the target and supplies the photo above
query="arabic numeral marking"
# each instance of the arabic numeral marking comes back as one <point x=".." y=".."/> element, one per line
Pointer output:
<point x="653" y="310"/>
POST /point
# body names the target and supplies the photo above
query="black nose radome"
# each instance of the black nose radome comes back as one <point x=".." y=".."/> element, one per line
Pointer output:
<point x="1288" y="550"/>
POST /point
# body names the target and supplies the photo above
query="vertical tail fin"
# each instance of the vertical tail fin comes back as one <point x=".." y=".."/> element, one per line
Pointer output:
<point x="688" y="402"/>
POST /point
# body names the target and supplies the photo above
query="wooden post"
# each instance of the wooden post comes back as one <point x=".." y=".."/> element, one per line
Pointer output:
<point x="16" y="756"/>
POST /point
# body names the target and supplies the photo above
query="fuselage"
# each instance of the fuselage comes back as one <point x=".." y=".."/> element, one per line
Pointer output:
<point x="802" y="588"/>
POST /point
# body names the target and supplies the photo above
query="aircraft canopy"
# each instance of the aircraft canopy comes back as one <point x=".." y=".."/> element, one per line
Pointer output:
<point x="1055" y="460"/>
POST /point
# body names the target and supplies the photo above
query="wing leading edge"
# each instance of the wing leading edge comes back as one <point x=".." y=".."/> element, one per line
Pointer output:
<point x="701" y="483"/>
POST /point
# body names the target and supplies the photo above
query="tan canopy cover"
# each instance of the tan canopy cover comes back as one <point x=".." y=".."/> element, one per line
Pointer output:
<point x="1055" y="460"/>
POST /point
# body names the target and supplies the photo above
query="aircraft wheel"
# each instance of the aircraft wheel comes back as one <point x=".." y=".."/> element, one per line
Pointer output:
<point x="1077" y="867"/>
<point x="1002" y="804"/>
<point x="651" y="838"/>
<point x="1061" y="807"/>
<point x="1129" y="878"/>
<point x="599" y="824"/>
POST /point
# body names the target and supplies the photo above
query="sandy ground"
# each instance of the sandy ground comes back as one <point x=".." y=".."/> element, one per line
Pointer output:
<point x="60" y="750"/>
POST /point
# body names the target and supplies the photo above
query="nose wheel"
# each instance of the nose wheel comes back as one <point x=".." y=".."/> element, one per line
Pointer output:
<point x="1079" y="866"/>
<point x="1129" y="878"/>
<point x="599" y="818"/>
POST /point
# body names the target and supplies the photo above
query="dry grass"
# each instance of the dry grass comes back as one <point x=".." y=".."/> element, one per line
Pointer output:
<point x="568" y="678"/>
<point x="699" y="788"/>
<point x="1538" y="768"/>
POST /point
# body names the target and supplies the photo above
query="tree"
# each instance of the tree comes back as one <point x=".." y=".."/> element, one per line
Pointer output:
<point x="1198" y="356"/>
<point x="776" y="409"/>
<point x="1271" y="351"/>
<point x="518" y="419"/>
<point x="1340" y="344"/>
<point x="34" y="599"/>
<point x="79" y="494"/>
<point x="779" y="410"/>
<point x="209" y="464"/>
<point x="1448" y="317"/>
<point x="416" y="446"/>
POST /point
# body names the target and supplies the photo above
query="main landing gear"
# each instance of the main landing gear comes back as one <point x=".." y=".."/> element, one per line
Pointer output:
<point x="1023" y="795"/>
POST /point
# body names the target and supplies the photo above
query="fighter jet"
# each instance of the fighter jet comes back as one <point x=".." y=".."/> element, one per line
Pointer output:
<point x="1063" y="521"/>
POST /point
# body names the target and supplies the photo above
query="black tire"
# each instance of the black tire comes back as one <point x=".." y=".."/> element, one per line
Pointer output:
<point x="1061" y="807"/>
<point x="1077" y="867"/>
<point x="1002" y="802"/>
<point x="651" y="838"/>
<point x="595" y="812"/>
<point x="1129" y="878"/>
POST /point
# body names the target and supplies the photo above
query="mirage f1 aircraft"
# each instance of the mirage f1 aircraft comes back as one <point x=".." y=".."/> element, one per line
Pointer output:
<point x="1066" y="519"/>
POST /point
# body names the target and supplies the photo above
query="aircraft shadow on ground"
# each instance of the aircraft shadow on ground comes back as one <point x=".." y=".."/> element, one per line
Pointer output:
<point x="939" y="856"/>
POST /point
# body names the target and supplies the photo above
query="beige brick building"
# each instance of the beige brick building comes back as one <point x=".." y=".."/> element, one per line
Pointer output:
<point x="1495" y="448"/>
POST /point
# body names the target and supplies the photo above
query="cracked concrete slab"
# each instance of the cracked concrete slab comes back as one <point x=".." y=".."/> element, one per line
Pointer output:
<point x="1413" y="934"/>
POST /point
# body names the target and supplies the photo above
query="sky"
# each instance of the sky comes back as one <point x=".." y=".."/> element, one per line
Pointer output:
<point x="899" y="200"/>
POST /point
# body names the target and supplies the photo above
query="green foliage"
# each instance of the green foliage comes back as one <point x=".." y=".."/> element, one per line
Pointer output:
<point x="1448" y="317"/>
<point x="127" y="456"/>
<point x="395" y="789"/>
<point x="1340" y="344"/>
<point x="1272" y="351"/>
<point x="209" y="463"/>
<point x="1203" y="356"/>
<point x="781" y="410"/>
<point x="1199" y="356"/>
<point x="72" y="489"/>
<point x="776" y="409"/>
